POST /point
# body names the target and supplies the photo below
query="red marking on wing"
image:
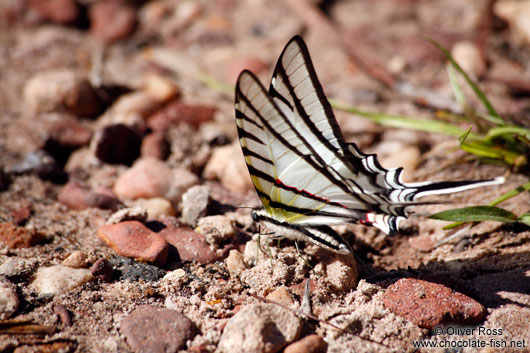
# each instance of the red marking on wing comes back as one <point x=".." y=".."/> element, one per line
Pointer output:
<point x="306" y="193"/>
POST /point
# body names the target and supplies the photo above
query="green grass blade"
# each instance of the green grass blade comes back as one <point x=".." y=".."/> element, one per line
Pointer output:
<point x="510" y="194"/>
<point x="476" y="214"/>
<point x="481" y="96"/>
<point x="404" y="122"/>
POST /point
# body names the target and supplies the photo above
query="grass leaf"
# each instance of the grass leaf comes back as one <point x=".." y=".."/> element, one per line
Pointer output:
<point x="481" y="96"/>
<point x="476" y="214"/>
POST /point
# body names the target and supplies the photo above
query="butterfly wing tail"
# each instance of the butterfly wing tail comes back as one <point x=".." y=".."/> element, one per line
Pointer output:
<point x="447" y="187"/>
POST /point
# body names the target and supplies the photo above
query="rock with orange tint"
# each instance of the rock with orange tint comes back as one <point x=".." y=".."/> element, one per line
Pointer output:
<point x="150" y="177"/>
<point x="177" y="113"/>
<point x="79" y="197"/>
<point x="429" y="304"/>
<point x="133" y="239"/>
<point x="19" y="237"/>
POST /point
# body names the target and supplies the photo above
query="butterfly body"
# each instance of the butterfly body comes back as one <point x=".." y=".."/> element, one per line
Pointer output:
<point x="306" y="175"/>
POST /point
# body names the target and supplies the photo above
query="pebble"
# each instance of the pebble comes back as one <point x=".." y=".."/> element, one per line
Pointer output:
<point x="128" y="214"/>
<point x="407" y="157"/>
<point x="58" y="279"/>
<point x="428" y="304"/>
<point x="157" y="330"/>
<point x="150" y="177"/>
<point x="116" y="144"/>
<point x="102" y="270"/>
<point x="195" y="204"/>
<point x="77" y="259"/>
<point x="63" y="314"/>
<point x="157" y="207"/>
<point x="218" y="229"/>
<point x="61" y="90"/>
<point x="135" y="271"/>
<point x="191" y="246"/>
<point x="155" y="145"/>
<point x="112" y="20"/>
<point x="281" y="296"/>
<point x="79" y="197"/>
<point x="517" y="14"/>
<point x="64" y="131"/>
<point x="133" y="239"/>
<point x="467" y="55"/>
<point x="160" y="88"/>
<point x="9" y="301"/>
<point x="20" y="215"/>
<point x="260" y="328"/>
<point x="58" y="11"/>
<point x="341" y="273"/>
<point x="235" y="263"/>
<point x="131" y="109"/>
<point x="176" y="113"/>
<point x="42" y="164"/>
<point x="308" y="344"/>
<point x="16" y="266"/>
<point x="19" y="237"/>
<point x="228" y="165"/>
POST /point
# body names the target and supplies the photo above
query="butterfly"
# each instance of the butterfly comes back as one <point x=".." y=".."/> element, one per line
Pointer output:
<point x="306" y="175"/>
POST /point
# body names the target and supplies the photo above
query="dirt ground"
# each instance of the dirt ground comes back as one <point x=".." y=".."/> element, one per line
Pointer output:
<point x="65" y="69"/>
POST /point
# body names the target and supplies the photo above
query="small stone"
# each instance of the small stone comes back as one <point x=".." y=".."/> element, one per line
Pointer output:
<point x="58" y="279"/>
<point x="20" y="215"/>
<point x="195" y="204"/>
<point x="128" y="214"/>
<point x="158" y="330"/>
<point x="9" y="301"/>
<point x="341" y="273"/>
<point x="429" y="304"/>
<point x="78" y="197"/>
<point x="308" y="344"/>
<point x="191" y="246"/>
<point x="150" y="177"/>
<point x="282" y="296"/>
<point x="116" y="144"/>
<point x="155" y="145"/>
<point x="63" y="313"/>
<point x="177" y="113"/>
<point x="66" y="132"/>
<point x="17" y="266"/>
<point x="131" y="109"/>
<point x="136" y="271"/>
<point x="77" y="259"/>
<point x="157" y="207"/>
<point x="517" y="14"/>
<point x="19" y="237"/>
<point x="59" y="11"/>
<point x="227" y="164"/>
<point x="218" y="229"/>
<point x="102" y="269"/>
<point x="61" y="90"/>
<point x="235" y="263"/>
<point x="260" y="328"/>
<point x="41" y="164"/>
<point x="112" y="20"/>
<point x="467" y="55"/>
<point x="160" y="88"/>
<point x="133" y="239"/>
